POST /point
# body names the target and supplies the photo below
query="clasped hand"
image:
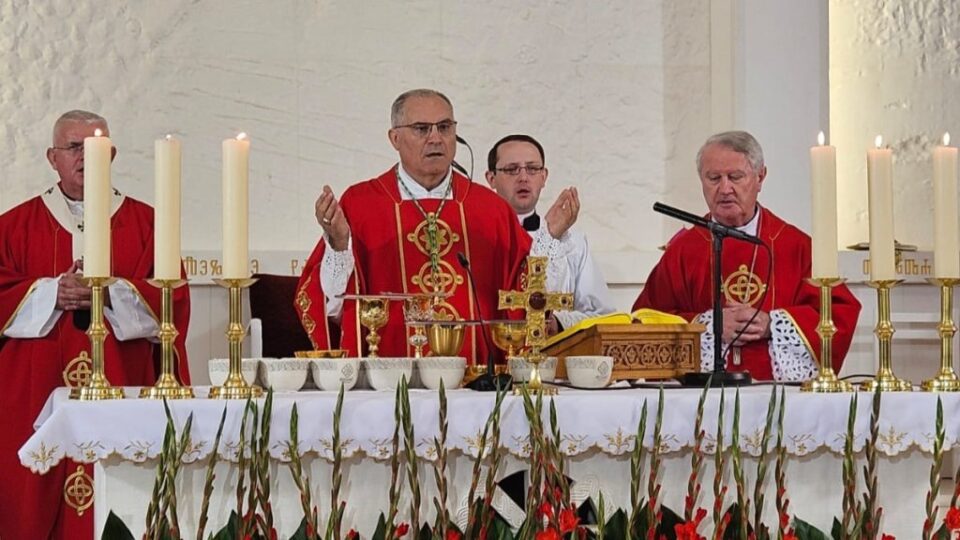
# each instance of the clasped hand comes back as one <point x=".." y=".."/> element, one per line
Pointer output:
<point x="736" y="316"/>
<point x="72" y="293"/>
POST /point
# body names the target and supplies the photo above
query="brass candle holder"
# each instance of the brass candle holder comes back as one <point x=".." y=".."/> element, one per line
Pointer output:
<point x="535" y="384"/>
<point x="885" y="379"/>
<point x="167" y="386"/>
<point x="826" y="380"/>
<point x="98" y="387"/>
<point x="946" y="380"/>
<point x="235" y="387"/>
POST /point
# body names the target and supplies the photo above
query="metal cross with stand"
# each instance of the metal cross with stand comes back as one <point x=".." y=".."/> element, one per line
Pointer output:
<point x="535" y="299"/>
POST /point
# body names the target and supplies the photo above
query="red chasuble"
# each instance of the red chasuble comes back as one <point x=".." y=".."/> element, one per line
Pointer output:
<point x="392" y="255"/>
<point x="34" y="244"/>
<point x="681" y="283"/>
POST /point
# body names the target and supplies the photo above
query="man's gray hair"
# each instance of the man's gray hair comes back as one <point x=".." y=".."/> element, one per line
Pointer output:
<point x="738" y="141"/>
<point x="396" y="111"/>
<point x="77" y="115"/>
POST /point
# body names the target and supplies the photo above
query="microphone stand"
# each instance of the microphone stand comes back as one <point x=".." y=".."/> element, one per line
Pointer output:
<point x="489" y="381"/>
<point x="719" y="377"/>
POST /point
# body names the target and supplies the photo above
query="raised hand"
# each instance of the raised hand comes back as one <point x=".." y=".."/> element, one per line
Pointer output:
<point x="563" y="214"/>
<point x="331" y="219"/>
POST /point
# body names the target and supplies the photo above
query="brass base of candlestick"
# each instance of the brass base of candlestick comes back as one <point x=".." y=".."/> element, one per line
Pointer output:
<point x="520" y="388"/>
<point x="888" y="382"/>
<point x="99" y="388"/>
<point x="885" y="380"/>
<point x="946" y="379"/>
<point x="235" y="386"/>
<point x="826" y="381"/>
<point x="535" y="384"/>
<point x="167" y="386"/>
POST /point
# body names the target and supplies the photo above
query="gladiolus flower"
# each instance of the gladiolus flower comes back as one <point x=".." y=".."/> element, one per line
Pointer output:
<point x="353" y="535"/>
<point x="452" y="534"/>
<point x="545" y="510"/>
<point x="888" y="537"/>
<point x="549" y="534"/>
<point x="789" y="536"/>
<point x="952" y="520"/>
<point x="568" y="520"/>
<point x="401" y="530"/>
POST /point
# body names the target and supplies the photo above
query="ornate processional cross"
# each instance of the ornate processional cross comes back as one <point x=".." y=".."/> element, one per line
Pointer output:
<point x="535" y="299"/>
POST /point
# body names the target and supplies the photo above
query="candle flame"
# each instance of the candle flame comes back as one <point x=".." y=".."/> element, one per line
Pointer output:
<point x="878" y="142"/>
<point x="97" y="133"/>
<point x="241" y="136"/>
<point x="821" y="139"/>
<point x="169" y="137"/>
<point x="946" y="138"/>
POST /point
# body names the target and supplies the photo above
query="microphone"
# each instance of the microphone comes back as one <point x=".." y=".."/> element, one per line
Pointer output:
<point x="714" y="227"/>
<point x="490" y="381"/>
<point x="459" y="167"/>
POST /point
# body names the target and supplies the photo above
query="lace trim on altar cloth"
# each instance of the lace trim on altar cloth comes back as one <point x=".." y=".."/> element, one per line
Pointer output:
<point x="792" y="361"/>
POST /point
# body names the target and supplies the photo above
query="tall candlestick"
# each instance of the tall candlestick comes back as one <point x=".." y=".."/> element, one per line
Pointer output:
<point x="823" y="177"/>
<point x="880" y="186"/>
<point x="946" y="229"/>
<point x="166" y="252"/>
<point x="97" y="151"/>
<point x="236" y="159"/>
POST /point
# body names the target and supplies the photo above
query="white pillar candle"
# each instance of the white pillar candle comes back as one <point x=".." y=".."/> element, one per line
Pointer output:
<point x="166" y="223"/>
<point x="880" y="186"/>
<point x="97" y="152"/>
<point x="946" y="229"/>
<point x="823" y="181"/>
<point x="236" y="159"/>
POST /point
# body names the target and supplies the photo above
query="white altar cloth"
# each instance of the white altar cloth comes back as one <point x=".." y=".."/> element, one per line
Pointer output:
<point x="123" y="437"/>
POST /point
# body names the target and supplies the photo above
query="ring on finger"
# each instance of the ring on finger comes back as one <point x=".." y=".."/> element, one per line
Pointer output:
<point x="326" y="221"/>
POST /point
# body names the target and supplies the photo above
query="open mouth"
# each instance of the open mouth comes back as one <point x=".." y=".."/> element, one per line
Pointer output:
<point x="434" y="155"/>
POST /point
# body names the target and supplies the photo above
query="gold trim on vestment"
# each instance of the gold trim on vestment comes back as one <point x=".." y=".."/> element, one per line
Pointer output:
<point x="77" y="372"/>
<point x="23" y="301"/>
<point x="304" y="303"/>
<point x="78" y="490"/>
<point x="470" y="298"/>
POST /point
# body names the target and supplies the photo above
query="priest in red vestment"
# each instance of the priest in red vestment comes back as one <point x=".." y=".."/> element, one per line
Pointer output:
<point x="402" y="231"/>
<point x="44" y="312"/>
<point x="781" y="342"/>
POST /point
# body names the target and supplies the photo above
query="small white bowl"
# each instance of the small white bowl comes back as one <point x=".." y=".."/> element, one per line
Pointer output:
<point x="520" y="369"/>
<point x="589" y="371"/>
<point x="330" y="373"/>
<point x="385" y="373"/>
<point x="449" y="369"/>
<point x="219" y="367"/>
<point x="284" y="374"/>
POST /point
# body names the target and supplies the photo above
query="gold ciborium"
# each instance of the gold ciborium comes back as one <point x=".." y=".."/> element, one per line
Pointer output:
<point x="374" y="312"/>
<point x="509" y="336"/>
<point x="418" y="310"/>
<point x="446" y="339"/>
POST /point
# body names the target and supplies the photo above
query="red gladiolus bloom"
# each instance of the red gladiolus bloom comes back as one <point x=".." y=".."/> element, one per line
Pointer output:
<point x="453" y="535"/>
<point x="545" y="510"/>
<point x="353" y="535"/>
<point x="568" y="520"/>
<point x="789" y="536"/>
<point x="549" y="534"/>
<point x="401" y="530"/>
<point x="888" y="537"/>
<point x="952" y="520"/>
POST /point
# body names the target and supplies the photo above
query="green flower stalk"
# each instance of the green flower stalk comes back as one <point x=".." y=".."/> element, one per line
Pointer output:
<point x="173" y="468"/>
<point x="653" y="482"/>
<point x="263" y="465"/>
<point x="696" y="459"/>
<point x="871" y="510"/>
<point x="636" y="472"/>
<point x="851" y="507"/>
<point x="208" y="481"/>
<point x="336" y="505"/>
<point x="495" y="455"/>
<point x="780" y="475"/>
<point x="242" y="467"/>
<point x="743" y="502"/>
<point x="396" y="486"/>
<point x="934" y="492"/>
<point x="720" y="520"/>
<point x="410" y="447"/>
<point x="758" y="495"/>
<point x="440" y="471"/>
<point x="153" y="515"/>
<point x="296" y="470"/>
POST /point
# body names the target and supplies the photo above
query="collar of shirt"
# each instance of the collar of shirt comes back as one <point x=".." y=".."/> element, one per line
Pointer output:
<point x="420" y="192"/>
<point x="751" y="226"/>
<point x="75" y="207"/>
<point x="522" y="217"/>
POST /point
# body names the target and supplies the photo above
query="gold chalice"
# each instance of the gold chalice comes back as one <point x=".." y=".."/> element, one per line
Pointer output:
<point x="374" y="312"/>
<point x="445" y="339"/>
<point x="417" y="310"/>
<point x="509" y="336"/>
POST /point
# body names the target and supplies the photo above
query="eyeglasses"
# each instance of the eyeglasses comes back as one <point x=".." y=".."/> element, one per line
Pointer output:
<point x="423" y="129"/>
<point x="514" y="170"/>
<point x="74" y="148"/>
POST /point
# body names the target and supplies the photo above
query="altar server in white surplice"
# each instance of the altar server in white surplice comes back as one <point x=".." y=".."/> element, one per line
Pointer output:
<point x="516" y="170"/>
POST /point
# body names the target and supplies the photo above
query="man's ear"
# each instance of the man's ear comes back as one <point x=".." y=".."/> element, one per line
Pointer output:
<point x="489" y="175"/>
<point x="394" y="137"/>
<point x="762" y="175"/>
<point x="50" y="152"/>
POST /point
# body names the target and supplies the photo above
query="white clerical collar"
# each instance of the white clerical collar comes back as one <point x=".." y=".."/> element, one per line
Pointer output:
<point x="420" y="192"/>
<point x="752" y="225"/>
<point x="522" y="217"/>
<point x="75" y="207"/>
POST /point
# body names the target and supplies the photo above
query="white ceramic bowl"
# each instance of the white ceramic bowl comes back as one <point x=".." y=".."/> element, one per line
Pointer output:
<point x="589" y="371"/>
<point x="449" y="369"/>
<point x="219" y="367"/>
<point x="385" y="373"/>
<point x="520" y="369"/>
<point x="284" y="374"/>
<point x="329" y="373"/>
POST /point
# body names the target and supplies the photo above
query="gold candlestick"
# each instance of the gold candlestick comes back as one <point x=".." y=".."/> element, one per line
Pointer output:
<point x="235" y="387"/>
<point x="826" y="380"/>
<point x="885" y="379"/>
<point x="167" y="386"/>
<point x="946" y="380"/>
<point x="98" y="388"/>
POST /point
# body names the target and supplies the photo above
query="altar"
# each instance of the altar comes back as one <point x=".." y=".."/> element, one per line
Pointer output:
<point x="123" y="439"/>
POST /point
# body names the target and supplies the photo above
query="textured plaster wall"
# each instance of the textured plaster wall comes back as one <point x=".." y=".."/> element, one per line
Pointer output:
<point x="894" y="71"/>
<point x="618" y="92"/>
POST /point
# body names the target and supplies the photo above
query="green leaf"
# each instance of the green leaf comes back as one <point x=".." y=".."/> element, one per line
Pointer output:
<point x="806" y="531"/>
<point x="616" y="526"/>
<point x="425" y="533"/>
<point x="668" y="522"/>
<point x="228" y="530"/>
<point x="836" y="531"/>
<point x="301" y="533"/>
<point x="380" y="532"/>
<point x="499" y="529"/>
<point x="115" y="529"/>
<point x="733" y="529"/>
